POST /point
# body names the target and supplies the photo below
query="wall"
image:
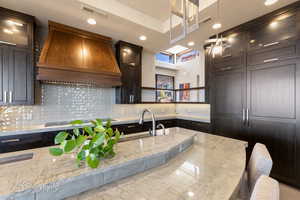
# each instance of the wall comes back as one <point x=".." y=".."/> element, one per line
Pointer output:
<point x="189" y="70"/>
<point x="69" y="102"/>
<point x="148" y="69"/>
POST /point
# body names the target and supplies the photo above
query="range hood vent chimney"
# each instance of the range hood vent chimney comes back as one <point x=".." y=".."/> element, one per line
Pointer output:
<point x="76" y="56"/>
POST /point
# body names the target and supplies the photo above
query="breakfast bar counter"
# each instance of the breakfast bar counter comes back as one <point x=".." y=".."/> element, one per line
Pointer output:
<point x="183" y="164"/>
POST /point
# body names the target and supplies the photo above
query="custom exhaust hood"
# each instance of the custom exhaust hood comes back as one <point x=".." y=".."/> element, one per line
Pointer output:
<point x="70" y="55"/>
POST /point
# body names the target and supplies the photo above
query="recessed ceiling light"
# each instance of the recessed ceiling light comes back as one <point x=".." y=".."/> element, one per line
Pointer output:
<point x="91" y="21"/>
<point x="217" y="26"/>
<point x="190" y="44"/>
<point x="143" y="38"/>
<point x="270" y="2"/>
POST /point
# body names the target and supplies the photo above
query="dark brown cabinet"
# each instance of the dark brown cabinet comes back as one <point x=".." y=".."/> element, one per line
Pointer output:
<point x="16" y="58"/>
<point x="129" y="57"/>
<point x="255" y="96"/>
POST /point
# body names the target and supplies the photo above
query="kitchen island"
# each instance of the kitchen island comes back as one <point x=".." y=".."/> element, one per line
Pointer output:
<point x="184" y="164"/>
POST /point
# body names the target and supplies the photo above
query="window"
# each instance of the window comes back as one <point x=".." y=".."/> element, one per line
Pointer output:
<point x="187" y="56"/>
<point x="163" y="57"/>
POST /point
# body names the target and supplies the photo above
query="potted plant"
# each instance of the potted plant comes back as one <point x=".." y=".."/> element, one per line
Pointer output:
<point x="91" y="144"/>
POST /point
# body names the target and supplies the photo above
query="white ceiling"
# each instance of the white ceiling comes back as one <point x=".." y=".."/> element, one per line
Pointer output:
<point x="158" y="9"/>
<point x="132" y="18"/>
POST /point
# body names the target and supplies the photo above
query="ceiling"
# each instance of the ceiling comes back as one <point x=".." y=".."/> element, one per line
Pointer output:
<point x="128" y="19"/>
<point x="154" y="8"/>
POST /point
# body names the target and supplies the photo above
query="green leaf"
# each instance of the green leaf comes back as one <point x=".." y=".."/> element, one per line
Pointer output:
<point x="68" y="145"/>
<point x="99" y="122"/>
<point x="92" y="160"/>
<point x="110" y="132"/>
<point x="99" y="129"/>
<point x="98" y="140"/>
<point x="76" y="122"/>
<point x="117" y="135"/>
<point x="89" y="130"/>
<point x="56" y="151"/>
<point x="80" y="140"/>
<point x="108" y="123"/>
<point x="81" y="155"/>
<point x="94" y="123"/>
<point x="60" y="137"/>
<point x="76" y="131"/>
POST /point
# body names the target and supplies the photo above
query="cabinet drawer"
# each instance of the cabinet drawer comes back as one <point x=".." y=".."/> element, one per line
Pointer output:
<point x="267" y="56"/>
<point x="22" y="142"/>
<point x="228" y="64"/>
<point x="280" y="29"/>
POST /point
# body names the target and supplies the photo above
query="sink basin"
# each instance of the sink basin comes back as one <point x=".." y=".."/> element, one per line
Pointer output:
<point x="63" y="123"/>
<point x="142" y="135"/>
<point x="134" y="137"/>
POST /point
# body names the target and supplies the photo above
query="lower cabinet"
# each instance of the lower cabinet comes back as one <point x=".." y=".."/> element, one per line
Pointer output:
<point x="26" y="141"/>
<point x="37" y="140"/>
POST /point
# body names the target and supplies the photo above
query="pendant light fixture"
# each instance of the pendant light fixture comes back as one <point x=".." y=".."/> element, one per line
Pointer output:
<point x="219" y="43"/>
<point x="184" y="18"/>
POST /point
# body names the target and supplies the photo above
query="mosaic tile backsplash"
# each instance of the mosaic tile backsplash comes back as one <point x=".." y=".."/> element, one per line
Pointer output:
<point x="68" y="102"/>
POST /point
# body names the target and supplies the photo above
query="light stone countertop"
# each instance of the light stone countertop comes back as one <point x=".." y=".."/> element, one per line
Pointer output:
<point x="43" y="169"/>
<point x="20" y="130"/>
<point x="209" y="170"/>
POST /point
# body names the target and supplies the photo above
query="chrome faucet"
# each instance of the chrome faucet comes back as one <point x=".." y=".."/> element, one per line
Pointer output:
<point x="153" y="131"/>
<point x="163" y="128"/>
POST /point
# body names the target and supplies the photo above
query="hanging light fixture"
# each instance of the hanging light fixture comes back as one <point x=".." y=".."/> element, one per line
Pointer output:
<point x="184" y="18"/>
<point x="219" y="44"/>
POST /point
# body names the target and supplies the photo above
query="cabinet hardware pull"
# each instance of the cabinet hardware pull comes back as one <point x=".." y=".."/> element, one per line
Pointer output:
<point x="3" y="42"/>
<point x="244" y="115"/>
<point x="131" y="126"/>
<point x="271" y="44"/>
<point x="247" y="116"/>
<point x="271" y="60"/>
<point x="10" y="140"/>
<point x="227" y="56"/>
<point x="5" y="97"/>
<point x="10" y="96"/>
<point x="226" y="68"/>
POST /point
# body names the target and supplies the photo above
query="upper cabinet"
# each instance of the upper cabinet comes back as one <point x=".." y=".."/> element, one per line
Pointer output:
<point x="16" y="29"/>
<point x="129" y="57"/>
<point x="16" y="58"/>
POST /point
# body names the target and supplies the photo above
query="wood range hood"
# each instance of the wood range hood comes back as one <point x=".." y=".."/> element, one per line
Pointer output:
<point x="70" y="55"/>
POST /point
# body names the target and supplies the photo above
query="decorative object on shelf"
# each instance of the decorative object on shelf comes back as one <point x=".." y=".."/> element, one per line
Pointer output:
<point x="184" y="18"/>
<point x="184" y="95"/>
<point x="91" y="144"/>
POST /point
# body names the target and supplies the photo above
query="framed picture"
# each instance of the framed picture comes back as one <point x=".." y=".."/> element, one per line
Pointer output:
<point x="164" y="88"/>
<point x="164" y="82"/>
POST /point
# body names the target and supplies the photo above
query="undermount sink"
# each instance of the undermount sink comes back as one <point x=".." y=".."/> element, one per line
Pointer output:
<point x="142" y="135"/>
<point x="63" y="123"/>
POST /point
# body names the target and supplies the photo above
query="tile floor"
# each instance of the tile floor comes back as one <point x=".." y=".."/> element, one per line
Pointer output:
<point x="289" y="193"/>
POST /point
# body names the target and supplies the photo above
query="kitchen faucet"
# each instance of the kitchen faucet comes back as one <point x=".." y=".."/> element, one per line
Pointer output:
<point x="153" y="131"/>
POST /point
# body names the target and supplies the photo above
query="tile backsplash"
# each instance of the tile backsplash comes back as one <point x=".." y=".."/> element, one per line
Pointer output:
<point x="68" y="102"/>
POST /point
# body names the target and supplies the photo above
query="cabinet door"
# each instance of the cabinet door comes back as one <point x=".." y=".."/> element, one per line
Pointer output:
<point x="129" y="58"/>
<point x="227" y="104"/>
<point x="16" y="30"/>
<point x="271" y="99"/>
<point x="20" y="77"/>
<point x="3" y="75"/>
